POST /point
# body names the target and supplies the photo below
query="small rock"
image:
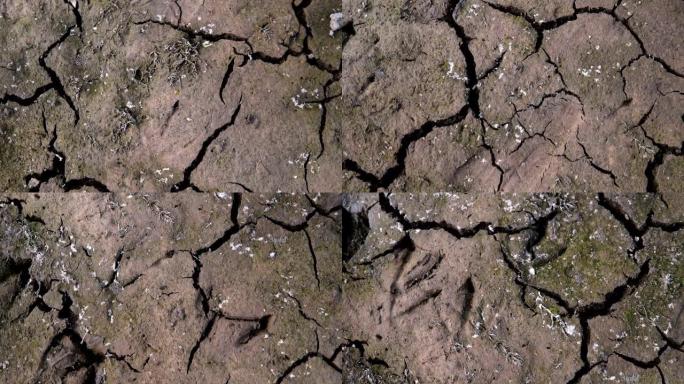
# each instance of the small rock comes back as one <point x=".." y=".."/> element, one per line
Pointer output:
<point x="570" y="330"/>
<point x="33" y="182"/>
<point x="338" y="21"/>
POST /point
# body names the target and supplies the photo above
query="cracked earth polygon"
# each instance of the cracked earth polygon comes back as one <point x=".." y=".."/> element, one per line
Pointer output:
<point x="341" y="191"/>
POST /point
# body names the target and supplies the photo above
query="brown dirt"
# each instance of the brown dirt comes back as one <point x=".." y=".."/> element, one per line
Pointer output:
<point x="354" y="191"/>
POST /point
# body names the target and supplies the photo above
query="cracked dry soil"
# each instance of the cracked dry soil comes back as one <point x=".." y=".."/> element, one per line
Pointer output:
<point x="357" y="288"/>
<point x="341" y="191"/>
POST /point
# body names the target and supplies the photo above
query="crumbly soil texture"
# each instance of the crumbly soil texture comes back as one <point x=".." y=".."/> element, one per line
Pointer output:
<point x="330" y="288"/>
<point x="342" y="96"/>
<point x="513" y="96"/>
<point x="341" y="191"/>
<point x="164" y="96"/>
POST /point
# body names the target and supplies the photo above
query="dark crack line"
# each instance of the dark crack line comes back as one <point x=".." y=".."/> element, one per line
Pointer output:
<point x="203" y="295"/>
<point x="203" y="336"/>
<point x="492" y="157"/>
<point x="252" y="55"/>
<point x="292" y="227"/>
<point x="358" y="344"/>
<point x="671" y="343"/>
<point x="226" y="76"/>
<point x="394" y="172"/>
<point x="30" y="100"/>
<point x="585" y="369"/>
<point x="493" y="68"/>
<point x="324" y="115"/>
<point x="311" y="59"/>
<point x="517" y="12"/>
<point x="302" y="227"/>
<point x="539" y="230"/>
<point x="246" y="188"/>
<point x="320" y="210"/>
<point x="121" y="358"/>
<point x="456" y="232"/>
<point x="300" y="361"/>
<point x="300" y="309"/>
<point x="642" y="47"/>
<point x="330" y="361"/>
<point x="654" y="362"/>
<point x="532" y="136"/>
<point x="603" y="308"/>
<point x="180" y="12"/>
<point x="658" y="158"/>
<point x="593" y="164"/>
<point x="77" y="14"/>
<point x="187" y="173"/>
<point x="58" y="160"/>
<point x="556" y="70"/>
<point x="472" y="95"/>
<point x="228" y="233"/>
<point x="592" y="310"/>
<point x="524" y="285"/>
<point x="58" y="169"/>
<point x="306" y="51"/>
<point x="91" y="358"/>
<point x="539" y="227"/>
<point x="54" y="78"/>
<point x="635" y="231"/>
<point x="306" y="172"/>
<point x="314" y="259"/>
<point x="297" y="227"/>
<point x="561" y="92"/>
<point x="191" y="34"/>
<point x="39" y="289"/>
<point x="55" y="82"/>
<point x="80" y="183"/>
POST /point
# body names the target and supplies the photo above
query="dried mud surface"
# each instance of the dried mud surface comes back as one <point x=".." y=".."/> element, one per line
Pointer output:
<point x="341" y="191"/>
<point x="168" y="96"/>
<point x="513" y="96"/>
<point x="405" y="95"/>
<point x="365" y="288"/>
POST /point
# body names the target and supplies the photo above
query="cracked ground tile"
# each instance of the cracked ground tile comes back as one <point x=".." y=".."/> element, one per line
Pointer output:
<point x="272" y="96"/>
<point x="518" y="61"/>
<point x="341" y="191"/>
<point x="526" y="287"/>
<point x="169" y="287"/>
<point x="23" y="79"/>
<point x="167" y="96"/>
<point x="355" y="288"/>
